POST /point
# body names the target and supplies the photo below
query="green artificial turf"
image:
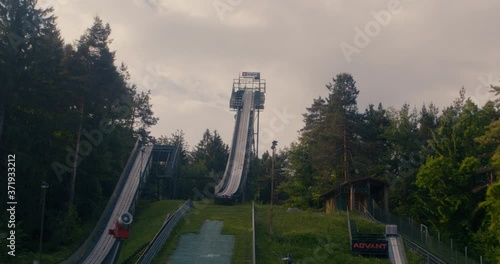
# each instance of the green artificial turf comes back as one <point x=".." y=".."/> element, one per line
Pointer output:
<point x="237" y="221"/>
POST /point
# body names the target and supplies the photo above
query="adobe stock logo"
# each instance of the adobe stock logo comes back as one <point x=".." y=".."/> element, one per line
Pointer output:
<point x="153" y="78"/>
<point x="277" y="124"/>
<point x="482" y="91"/>
<point x="90" y="139"/>
<point x="224" y="6"/>
<point x="372" y="29"/>
<point x="53" y="3"/>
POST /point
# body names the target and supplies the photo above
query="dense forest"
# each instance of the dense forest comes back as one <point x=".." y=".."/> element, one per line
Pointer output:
<point x="71" y="116"/>
<point x="442" y="166"/>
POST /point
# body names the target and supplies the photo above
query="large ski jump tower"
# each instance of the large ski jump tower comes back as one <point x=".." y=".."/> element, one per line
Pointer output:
<point x="247" y="99"/>
<point x="250" y="81"/>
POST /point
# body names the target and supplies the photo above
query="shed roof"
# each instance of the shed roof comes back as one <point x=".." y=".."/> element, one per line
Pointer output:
<point x="357" y="181"/>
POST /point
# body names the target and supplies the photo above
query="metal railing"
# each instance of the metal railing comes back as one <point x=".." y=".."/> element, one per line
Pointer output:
<point x="163" y="234"/>
<point x="144" y="174"/>
<point x="362" y="209"/>
<point x="137" y="251"/>
<point x="444" y="249"/>
<point x="428" y="256"/>
<point x="349" y="228"/>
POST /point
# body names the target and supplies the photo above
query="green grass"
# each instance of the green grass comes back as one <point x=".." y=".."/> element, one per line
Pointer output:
<point x="309" y="237"/>
<point x="237" y="221"/>
<point x="148" y="219"/>
<point x="412" y="256"/>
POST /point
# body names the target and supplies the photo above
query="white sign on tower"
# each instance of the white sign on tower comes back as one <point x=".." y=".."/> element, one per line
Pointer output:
<point x="255" y="75"/>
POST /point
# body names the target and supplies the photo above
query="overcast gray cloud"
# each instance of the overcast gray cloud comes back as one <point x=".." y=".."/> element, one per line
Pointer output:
<point x="187" y="52"/>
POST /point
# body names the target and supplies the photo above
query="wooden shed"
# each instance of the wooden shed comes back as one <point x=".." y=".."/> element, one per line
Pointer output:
<point x="352" y="193"/>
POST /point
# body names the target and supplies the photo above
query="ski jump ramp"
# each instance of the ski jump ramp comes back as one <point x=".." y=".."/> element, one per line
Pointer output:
<point x="103" y="244"/>
<point x="239" y="158"/>
<point x="247" y="100"/>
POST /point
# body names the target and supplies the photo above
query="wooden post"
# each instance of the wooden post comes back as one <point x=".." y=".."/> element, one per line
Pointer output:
<point x="386" y="199"/>
<point x="351" y="197"/>
<point x="345" y="156"/>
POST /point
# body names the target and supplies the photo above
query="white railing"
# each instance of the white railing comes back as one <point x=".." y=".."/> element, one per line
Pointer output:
<point x="162" y="235"/>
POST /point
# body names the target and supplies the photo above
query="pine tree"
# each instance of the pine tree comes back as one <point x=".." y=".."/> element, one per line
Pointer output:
<point x="341" y="130"/>
<point x="212" y="152"/>
<point x="330" y="140"/>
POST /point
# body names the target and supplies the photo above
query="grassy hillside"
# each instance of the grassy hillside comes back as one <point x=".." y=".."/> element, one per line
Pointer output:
<point x="148" y="220"/>
<point x="237" y="221"/>
<point x="309" y="237"/>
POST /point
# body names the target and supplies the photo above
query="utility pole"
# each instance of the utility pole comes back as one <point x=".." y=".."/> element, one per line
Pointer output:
<point x="77" y="153"/>
<point x="44" y="186"/>
<point x="345" y="155"/>
<point x="273" y="147"/>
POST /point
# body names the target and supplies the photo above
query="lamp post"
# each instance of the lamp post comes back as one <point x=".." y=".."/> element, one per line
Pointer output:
<point x="273" y="147"/>
<point x="44" y="187"/>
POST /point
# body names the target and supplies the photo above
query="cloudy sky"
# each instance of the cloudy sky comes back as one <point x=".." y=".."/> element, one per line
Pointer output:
<point x="187" y="52"/>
